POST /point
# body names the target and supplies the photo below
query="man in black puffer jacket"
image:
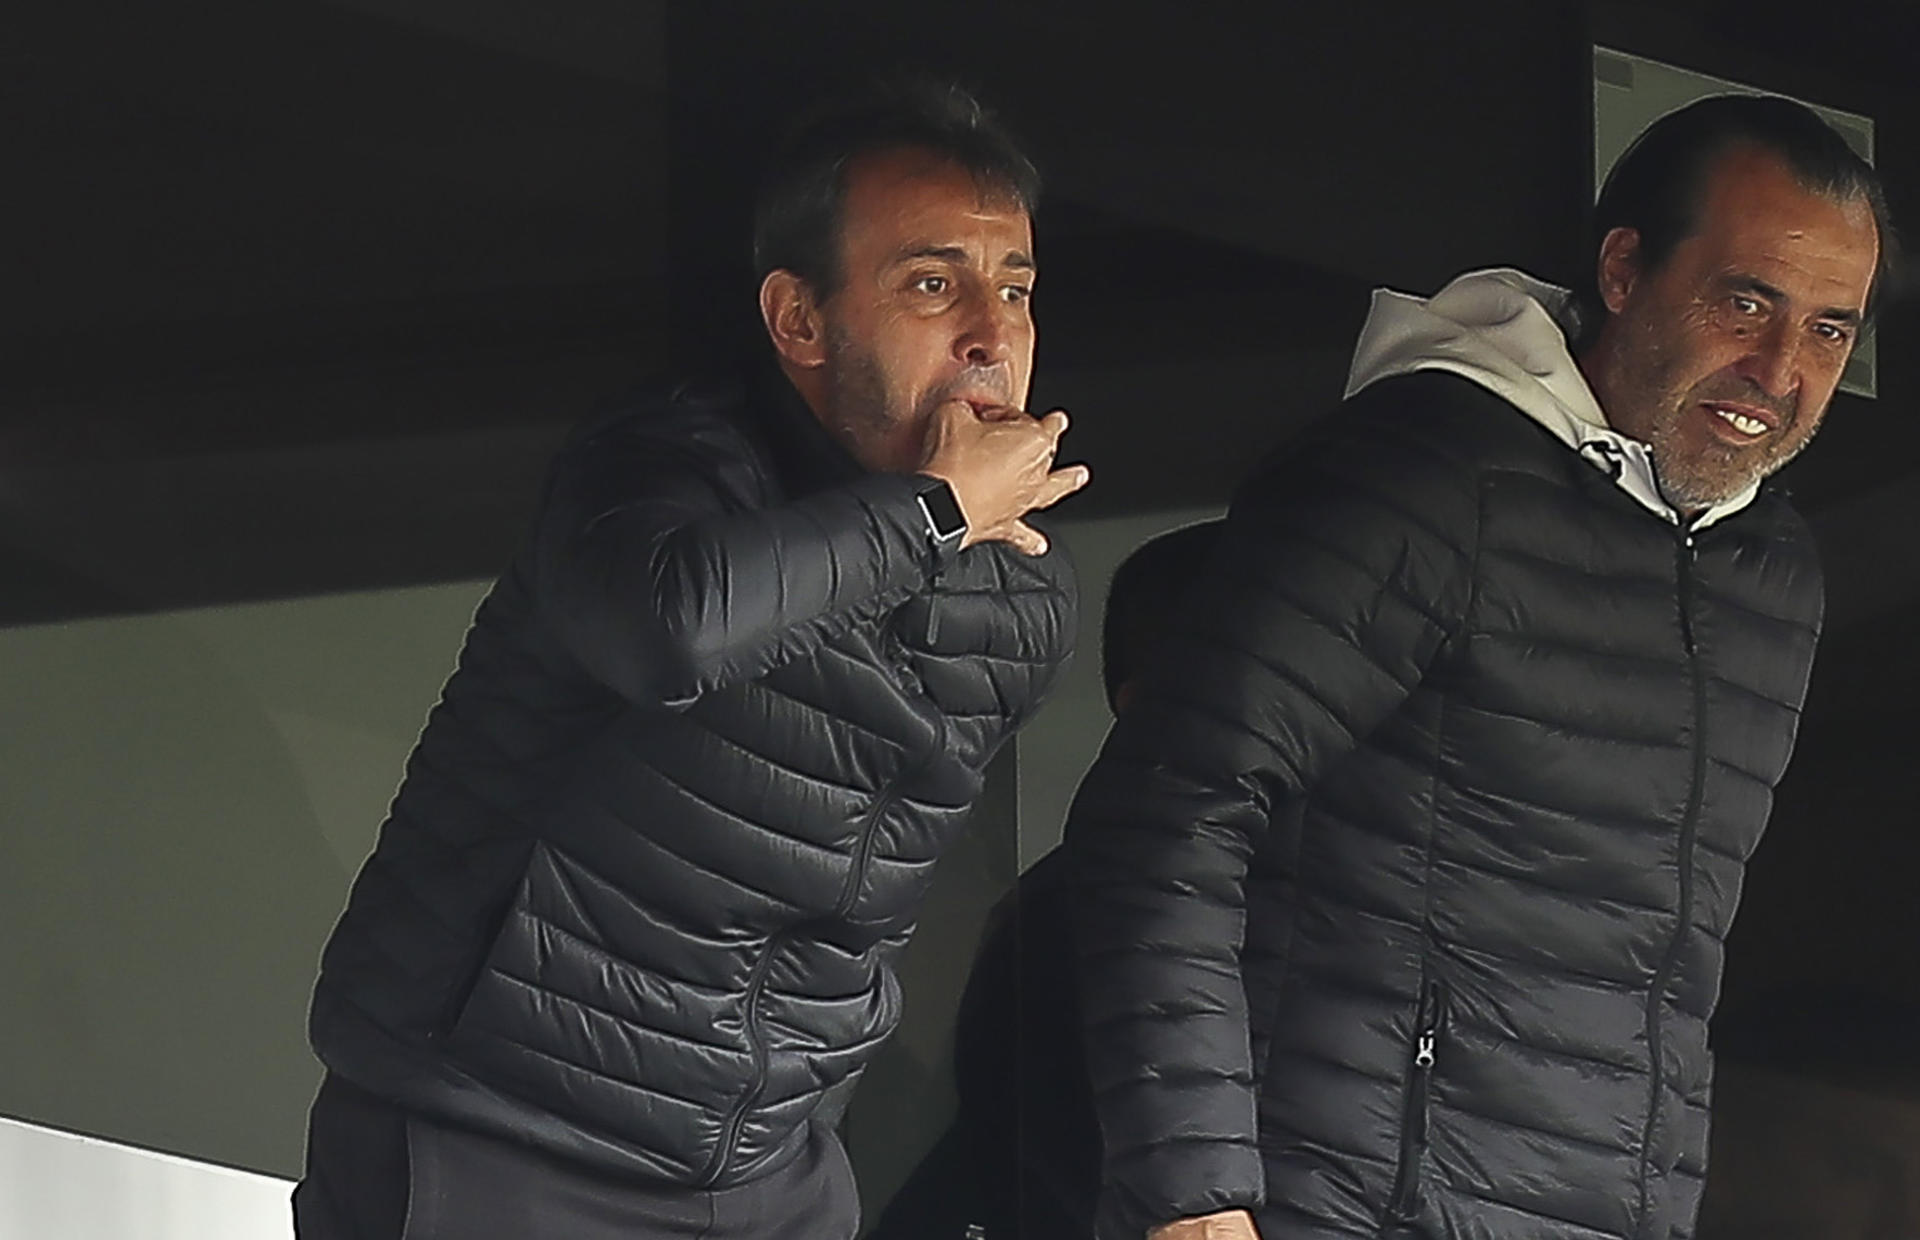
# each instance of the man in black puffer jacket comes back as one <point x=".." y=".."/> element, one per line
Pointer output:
<point x="1403" y="886"/>
<point x="628" y="936"/>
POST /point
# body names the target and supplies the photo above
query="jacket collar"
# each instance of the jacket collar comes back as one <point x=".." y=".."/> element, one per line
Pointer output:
<point x="805" y="454"/>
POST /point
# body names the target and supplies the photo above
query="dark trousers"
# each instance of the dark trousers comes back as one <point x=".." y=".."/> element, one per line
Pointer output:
<point x="375" y="1173"/>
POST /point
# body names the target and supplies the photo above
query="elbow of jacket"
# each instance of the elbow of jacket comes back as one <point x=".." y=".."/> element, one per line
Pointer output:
<point x="647" y="663"/>
<point x="680" y="667"/>
<point x="660" y="639"/>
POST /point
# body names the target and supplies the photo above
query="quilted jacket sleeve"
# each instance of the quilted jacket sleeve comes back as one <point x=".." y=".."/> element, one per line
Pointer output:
<point x="996" y="632"/>
<point x="1043" y="593"/>
<point x="1342" y="570"/>
<point x="660" y="573"/>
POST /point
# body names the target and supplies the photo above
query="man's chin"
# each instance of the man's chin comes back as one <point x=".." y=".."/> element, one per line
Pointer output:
<point x="1709" y="474"/>
<point x="1691" y="494"/>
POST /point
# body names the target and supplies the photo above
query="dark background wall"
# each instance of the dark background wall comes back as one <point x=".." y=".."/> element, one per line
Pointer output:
<point x="304" y="294"/>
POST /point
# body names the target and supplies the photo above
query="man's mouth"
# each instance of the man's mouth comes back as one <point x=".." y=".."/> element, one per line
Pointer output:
<point x="983" y="388"/>
<point x="980" y="402"/>
<point x="1746" y="422"/>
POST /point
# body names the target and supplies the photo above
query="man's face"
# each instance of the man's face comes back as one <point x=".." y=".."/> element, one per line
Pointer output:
<point x="932" y="304"/>
<point x="1723" y="358"/>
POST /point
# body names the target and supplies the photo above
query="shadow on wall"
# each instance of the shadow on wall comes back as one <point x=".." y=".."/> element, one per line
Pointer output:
<point x="1816" y="1118"/>
<point x="1799" y="1157"/>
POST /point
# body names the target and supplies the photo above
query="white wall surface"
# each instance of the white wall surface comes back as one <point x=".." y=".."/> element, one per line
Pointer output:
<point x="59" y="1186"/>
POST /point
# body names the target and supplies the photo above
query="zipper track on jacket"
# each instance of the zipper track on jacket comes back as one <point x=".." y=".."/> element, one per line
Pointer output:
<point x="1429" y="1020"/>
<point x="736" y="1120"/>
<point x="870" y="824"/>
<point x="1689" y="825"/>
<point x="863" y="848"/>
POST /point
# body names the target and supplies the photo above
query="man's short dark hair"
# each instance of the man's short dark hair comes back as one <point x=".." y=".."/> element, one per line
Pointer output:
<point x="1148" y="591"/>
<point x="1656" y="187"/>
<point x="797" y="217"/>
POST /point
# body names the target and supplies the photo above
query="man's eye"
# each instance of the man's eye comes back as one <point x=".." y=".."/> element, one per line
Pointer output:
<point x="1831" y="332"/>
<point x="1016" y="293"/>
<point x="1746" y="306"/>
<point x="933" y="286"/>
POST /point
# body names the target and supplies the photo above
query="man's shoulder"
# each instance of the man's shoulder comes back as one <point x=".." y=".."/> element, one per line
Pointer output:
<point x="1457" y="417"/>
<point x="1424" y="431"/>
<point x="710" y="413"/>
<point x="1775" y="527"/>
<point x="694" y="429"/>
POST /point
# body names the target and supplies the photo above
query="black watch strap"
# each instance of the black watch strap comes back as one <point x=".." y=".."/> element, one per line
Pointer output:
<point x="945" y="522"/>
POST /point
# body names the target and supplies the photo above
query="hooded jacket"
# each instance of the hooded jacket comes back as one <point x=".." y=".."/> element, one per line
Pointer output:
<point x="638" y="901"/>
<point x="1403" y="886"/>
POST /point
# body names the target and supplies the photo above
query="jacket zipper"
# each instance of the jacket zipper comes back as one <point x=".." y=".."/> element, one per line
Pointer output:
<point x="1429" y="1021"/>
<point x="863" y="848"/>
<point x="863" y="852"/>
<point x="870" y="825"/>
<point x="1685" y="552"/>
<point x="730" y="1134"/>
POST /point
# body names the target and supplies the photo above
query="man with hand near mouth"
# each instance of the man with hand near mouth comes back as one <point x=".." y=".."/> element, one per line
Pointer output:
<point x="628" y="937"/>
<point x="1403" y="886"/>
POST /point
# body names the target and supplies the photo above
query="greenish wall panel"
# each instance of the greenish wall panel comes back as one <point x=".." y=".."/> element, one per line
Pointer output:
<point x="185" y="798"/>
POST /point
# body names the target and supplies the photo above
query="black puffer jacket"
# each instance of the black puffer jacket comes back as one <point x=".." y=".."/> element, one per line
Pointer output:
<point x="640" y="896"/>
<point x="1469" y="749"/>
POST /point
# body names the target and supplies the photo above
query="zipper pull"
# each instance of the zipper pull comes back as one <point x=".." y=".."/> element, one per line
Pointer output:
<point x="1688" y="556"/>
<point x="1426" y="1038"/>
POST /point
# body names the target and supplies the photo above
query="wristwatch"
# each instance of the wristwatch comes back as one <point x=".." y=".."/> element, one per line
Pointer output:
<point x="945" y="522"/>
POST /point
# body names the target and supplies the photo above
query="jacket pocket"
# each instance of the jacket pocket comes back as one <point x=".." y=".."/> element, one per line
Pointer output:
<point x="1429" y="1029"/>
<point x="480" y="997"/>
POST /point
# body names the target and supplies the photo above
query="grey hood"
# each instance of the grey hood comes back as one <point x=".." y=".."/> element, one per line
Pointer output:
<point x="1504" y="330"/>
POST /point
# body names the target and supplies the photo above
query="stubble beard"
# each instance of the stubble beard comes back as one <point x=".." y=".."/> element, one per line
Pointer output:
<point x="1694" y="478"/>
<point x="859" y="404"/>
<point x="1698" y="477"/>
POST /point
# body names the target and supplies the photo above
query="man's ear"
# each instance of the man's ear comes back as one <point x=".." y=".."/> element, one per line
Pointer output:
<point x="793" y="319"/>
<point x="1619" y="267"/>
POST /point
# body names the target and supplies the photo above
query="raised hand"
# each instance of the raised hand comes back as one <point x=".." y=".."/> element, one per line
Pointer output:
<point x="999" y="462"/>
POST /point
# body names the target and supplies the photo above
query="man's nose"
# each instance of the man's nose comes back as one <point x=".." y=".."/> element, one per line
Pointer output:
<point x="1774" y="363"/>
<point x="986" y="339"/>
